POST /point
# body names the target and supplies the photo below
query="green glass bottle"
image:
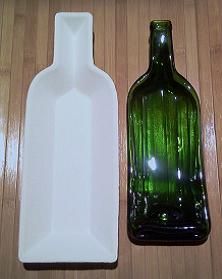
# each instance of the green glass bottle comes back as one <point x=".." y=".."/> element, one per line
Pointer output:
<point x="167" y="199"/>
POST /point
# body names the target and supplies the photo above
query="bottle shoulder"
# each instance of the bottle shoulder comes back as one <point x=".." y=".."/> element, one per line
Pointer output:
<point x="176" y="85"/>
<point x="186" y="85"/>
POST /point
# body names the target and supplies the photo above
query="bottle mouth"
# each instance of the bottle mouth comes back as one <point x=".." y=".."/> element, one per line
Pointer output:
<point x="160" y="25"/>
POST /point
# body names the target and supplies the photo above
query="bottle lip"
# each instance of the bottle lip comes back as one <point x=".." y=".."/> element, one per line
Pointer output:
<point x="161" y="24"/>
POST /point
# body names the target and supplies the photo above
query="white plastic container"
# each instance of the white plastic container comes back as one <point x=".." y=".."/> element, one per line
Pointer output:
<point x="69" y="183"/>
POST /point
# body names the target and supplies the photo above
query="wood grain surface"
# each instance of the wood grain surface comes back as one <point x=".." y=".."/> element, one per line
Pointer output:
<point x="121" y="48"/>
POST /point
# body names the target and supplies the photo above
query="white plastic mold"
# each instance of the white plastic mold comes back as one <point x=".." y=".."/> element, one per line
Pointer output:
<point x="69" y="183"/>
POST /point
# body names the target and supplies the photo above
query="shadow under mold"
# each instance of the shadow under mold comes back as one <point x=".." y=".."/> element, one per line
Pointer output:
<point x="69" y="266"/>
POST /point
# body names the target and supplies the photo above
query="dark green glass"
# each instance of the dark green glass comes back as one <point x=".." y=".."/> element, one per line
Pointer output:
<point x="167" y="199"/>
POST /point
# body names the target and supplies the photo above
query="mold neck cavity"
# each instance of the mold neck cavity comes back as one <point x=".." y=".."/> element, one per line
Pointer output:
<point x="73" y="43"/>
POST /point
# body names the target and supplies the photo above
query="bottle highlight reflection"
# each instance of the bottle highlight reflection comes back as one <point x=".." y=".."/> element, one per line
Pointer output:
<point x="166" y="188"/>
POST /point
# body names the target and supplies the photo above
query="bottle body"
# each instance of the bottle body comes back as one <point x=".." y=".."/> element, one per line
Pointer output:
<point x="166" y="186"/>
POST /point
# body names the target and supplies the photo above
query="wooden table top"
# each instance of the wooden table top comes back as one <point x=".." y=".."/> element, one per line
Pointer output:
<point x="121" y="48"/>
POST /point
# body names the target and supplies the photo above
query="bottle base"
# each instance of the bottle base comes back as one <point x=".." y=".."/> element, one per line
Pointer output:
<point x="168" y="236"/>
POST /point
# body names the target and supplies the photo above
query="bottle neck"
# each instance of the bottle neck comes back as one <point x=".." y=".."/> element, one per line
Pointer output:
<point x="161" y="47"/>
